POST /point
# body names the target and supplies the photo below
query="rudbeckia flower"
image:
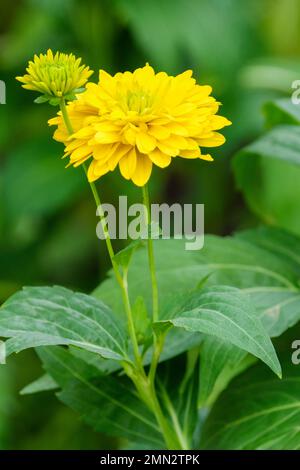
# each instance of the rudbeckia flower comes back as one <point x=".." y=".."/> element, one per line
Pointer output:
<point x="56" y="75"/>
<point x="140" y="119"/>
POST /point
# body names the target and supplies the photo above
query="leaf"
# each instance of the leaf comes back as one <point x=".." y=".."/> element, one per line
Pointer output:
<point x="54" y="101"/>
<point x="279" y="310"/>
<point x="41" y="99"/>
<point x="178" y="395"/>
<point x="110" y="404"/>
<point x="281" y="111"/>
<point x="39" y="316"/>
<point x="222" y="260"/>
<point x="279" y="307"/>
<point x="230" y="261"/>
<point x="258" y="170"/>
<point x="123" y="257"/>
<point x="257" y="411"/>
<point x="226" y="313"/>
<point x="42" y="384"/>
<point x="142" y="321"/>
<point x="220" y="361"/>
<point x="281" y="243"/>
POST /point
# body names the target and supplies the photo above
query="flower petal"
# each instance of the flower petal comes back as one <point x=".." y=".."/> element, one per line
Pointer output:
<point x="127" y="164"/>
<point x="142" y="171"/>
<point x="159" y="158"/>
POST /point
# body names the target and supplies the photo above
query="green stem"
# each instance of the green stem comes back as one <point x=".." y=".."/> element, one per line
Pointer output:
<point x="144" y="385"/>
<point x="157" y="350"/>
<point x="131" y="327"/>
<point x="147" y="393"/>
<point x="177" y="428"/>
<point x="172" y="440"/>
<point x="151" y="259"/>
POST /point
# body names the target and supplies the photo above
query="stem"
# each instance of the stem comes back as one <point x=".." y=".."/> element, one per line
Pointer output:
<point x="147" y="393"/>
<point x="180" y="435"/>
<point x="157" y="350"/>
<point x="144" y="385"/>
<point x="173" y="442"/>
<point x="131" y="328"/>
<point x="151" y="256"/>
<point x="122" y="281"/>
<point x="65" y="116"/>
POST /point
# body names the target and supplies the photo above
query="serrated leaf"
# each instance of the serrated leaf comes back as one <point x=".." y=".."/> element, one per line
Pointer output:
<point x="226" y="313"/>
<point x="257" y="411"/>
<point x="39" y="316"/>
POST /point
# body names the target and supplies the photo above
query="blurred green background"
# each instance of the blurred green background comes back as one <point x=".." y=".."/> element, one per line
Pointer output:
<point x="248" y="50"/>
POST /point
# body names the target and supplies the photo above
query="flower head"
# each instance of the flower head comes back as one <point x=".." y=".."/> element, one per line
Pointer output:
<point x="140" y="119"/>
<point x="56" y="75"/>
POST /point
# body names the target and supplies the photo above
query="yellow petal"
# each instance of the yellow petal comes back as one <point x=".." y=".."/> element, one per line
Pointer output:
<point x="214" y="141"/>
<point x="207" y="157"/>
<point x="95" y="171"/>
<point x="167" y="149"/>
<point x="127" y="164"/>
<point x="116" y="156"/>
<point x="159" y="132"/>
<point x="80" y="153"/>
<point x="145" y="142"/>
<point x="142" y="171"/>
<point x="218" y="122"/>
<point x="107" y="137"/>
<point x="190" y="153"/>
<point x="159" y="158"/>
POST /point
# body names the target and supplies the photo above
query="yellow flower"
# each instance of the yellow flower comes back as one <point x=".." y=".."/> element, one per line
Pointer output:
<point x="138" y="119"/>
<point x="55" y="75"/>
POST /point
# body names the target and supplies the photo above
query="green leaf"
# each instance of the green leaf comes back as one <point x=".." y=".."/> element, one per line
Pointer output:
<point x="54" y="101"/>
<point x="258" y="171"/>
<point x="230" y="261"/>
<point x="123" y="257"/>
<point x="39" y="316"/>
<point x="42" y="384"/>
<point x="257" y="411"/>
<point x="279" y="309"/>
<point x="142" y="321"/>
<point x="221" y="261"/>
<point x="279" y="242"/>
<point x="41" y="99"/>
<point x="109" y="404"/>
<point x="220" y="361"/>
<point x="281" y="111"/>
<point x="226" y="313"/>
<point x="178" y="394"/>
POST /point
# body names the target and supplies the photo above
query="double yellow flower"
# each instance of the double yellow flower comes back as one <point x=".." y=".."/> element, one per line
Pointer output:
<point x="133" y="120"/>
